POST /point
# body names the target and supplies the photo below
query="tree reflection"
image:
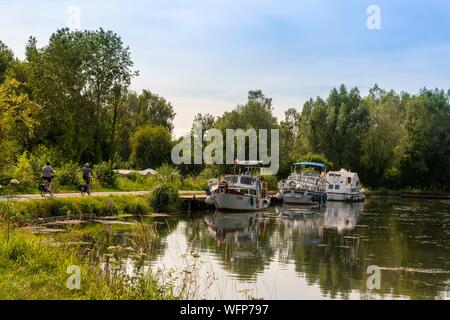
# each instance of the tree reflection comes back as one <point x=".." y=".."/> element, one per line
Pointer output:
<point x="333" y="246"/>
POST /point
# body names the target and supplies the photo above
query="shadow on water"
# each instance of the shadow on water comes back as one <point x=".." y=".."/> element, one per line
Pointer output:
<point x="303" y="252"/>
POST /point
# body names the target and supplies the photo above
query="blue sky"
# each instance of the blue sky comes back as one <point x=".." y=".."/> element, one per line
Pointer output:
<point x="204" y="55"/>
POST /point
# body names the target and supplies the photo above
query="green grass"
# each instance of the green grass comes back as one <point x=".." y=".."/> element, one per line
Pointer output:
<point x="23" y="211"/>
<point x="33" y="267"/>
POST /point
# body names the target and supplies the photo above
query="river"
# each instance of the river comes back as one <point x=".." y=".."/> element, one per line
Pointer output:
<point x="304" y="253"/>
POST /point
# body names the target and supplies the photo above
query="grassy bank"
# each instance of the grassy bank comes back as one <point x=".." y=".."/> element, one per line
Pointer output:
<point x="163" y="198"/>
<point x="19" y="211"/>
<point x="33" y="267"/>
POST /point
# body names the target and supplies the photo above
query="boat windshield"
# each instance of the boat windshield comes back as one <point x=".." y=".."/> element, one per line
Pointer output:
<point x="247" y="180"/>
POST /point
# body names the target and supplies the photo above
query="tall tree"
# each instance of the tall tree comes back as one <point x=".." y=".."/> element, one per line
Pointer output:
<point x="76" y="78"/>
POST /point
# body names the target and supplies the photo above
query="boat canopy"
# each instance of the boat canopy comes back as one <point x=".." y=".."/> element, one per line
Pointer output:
<point x="312" y="164"/>
<point x="249" y="163"/>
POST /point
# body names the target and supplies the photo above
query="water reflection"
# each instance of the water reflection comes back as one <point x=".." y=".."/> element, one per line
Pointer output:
<point x="303" y="252"/>
<point x="236" y="227"/>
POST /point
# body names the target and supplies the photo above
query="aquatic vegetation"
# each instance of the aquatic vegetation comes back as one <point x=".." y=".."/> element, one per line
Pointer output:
<point x="33" y="267"/>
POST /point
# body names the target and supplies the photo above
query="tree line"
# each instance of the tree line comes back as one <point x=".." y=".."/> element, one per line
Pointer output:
<point x="71" y="100"/>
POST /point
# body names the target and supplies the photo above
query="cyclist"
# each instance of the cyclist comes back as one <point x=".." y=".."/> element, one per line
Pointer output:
<point x="87" y="174"/>
<point x="47" y="175"/>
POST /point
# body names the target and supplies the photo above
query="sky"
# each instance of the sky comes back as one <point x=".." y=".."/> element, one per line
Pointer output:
<point x="205" y="55"/>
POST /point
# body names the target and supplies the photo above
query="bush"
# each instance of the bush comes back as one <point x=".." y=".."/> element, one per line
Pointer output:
<point x="105" y="173"/>
<point x="272" y="182"/>
<point x="168" y="174"/>
<point x="151" y="146"/>
<point x="40" y="156"/>
<point x="67" y="175"/>
<point x="24" y="172"/>
<point x="165" y="198"/>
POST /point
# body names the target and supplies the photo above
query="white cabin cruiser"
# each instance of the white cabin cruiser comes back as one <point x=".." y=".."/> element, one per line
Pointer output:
<point x="344" y="186"/>
<point x="239" y="191"/>
<point x="305" y="185"/>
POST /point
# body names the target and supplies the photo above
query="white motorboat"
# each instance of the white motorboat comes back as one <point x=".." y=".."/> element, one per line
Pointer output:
<point x="305" y="185"/>
<point x="344" y="185"/>
<point x="239" y="191"/>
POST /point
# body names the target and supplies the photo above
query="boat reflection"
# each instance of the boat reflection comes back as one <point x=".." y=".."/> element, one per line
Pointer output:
<point x="306" y="220"/>
<point x="336" y="215"/>
<point x="342" y="216"/>
<point x="235" y="227"/>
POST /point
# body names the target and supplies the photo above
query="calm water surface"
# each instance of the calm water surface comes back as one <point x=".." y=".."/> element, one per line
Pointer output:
<point x="307" y="253"/>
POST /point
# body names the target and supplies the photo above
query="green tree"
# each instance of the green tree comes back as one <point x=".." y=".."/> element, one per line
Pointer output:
<point x="151" y="146"/>
<point x="18" y="114"/>
<point x="79" y="79"/>
<point x="6" y="58"/>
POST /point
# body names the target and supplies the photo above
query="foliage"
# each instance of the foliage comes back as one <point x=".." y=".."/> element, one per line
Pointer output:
<point x="22" y="211"/>
<point x="67" y="175"/>
<point x="24" y="172"/>
<point x="151" y="146"/>
<point x="164" y="198"/>
<point x="168" y="174"/>
<point x="106" y="174"/>
<point x="42" y="154"/>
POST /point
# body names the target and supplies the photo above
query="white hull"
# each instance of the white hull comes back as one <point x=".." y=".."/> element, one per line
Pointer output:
<point x="301" y="197"/>
<point x="229" y="201"/>
<point x="351" y="197"/>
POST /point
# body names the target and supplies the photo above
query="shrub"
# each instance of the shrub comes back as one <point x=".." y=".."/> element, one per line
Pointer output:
<point x="23" y="172"/>
<point x="40" y="156"/>
<point x="165" y="198"/>
<point x="151" y="146"/>
<point x="67" y="175"/>
<point x="168" y="174"/>
<point x="105" y="173"/>
<point x="272" y="182"/>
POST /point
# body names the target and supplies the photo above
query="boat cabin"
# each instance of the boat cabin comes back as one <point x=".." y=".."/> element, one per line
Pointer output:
<point x="343" y="179"/>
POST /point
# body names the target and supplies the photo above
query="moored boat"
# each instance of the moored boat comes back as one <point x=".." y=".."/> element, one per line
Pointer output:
<point x="239" y="191"/>
<point x="305" y="185"/>
<point x="344" y="185"/>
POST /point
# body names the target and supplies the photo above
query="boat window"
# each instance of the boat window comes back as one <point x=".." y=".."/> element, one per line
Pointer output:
<point x="330" y="186"/>
<point x="349" y="180"/>
<point x="253" y="192"/>
<point x="247" y="180"/>
<point x="336" y="187"/>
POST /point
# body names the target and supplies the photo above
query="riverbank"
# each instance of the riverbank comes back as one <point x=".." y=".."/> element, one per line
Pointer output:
<point x="34" y="267"/>
<point x="408" y="193"/>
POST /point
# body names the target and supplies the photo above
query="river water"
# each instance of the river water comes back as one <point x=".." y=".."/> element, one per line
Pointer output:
<point x="306" y="253"/>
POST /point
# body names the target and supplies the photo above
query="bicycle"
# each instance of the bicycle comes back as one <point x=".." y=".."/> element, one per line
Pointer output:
<point x="86" y="187"/>
<point x="45" y="188"/>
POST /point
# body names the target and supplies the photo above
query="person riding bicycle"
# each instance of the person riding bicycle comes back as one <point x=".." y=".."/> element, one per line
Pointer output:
<point x="87" y="174"/>
<point x="47" y="175"/>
